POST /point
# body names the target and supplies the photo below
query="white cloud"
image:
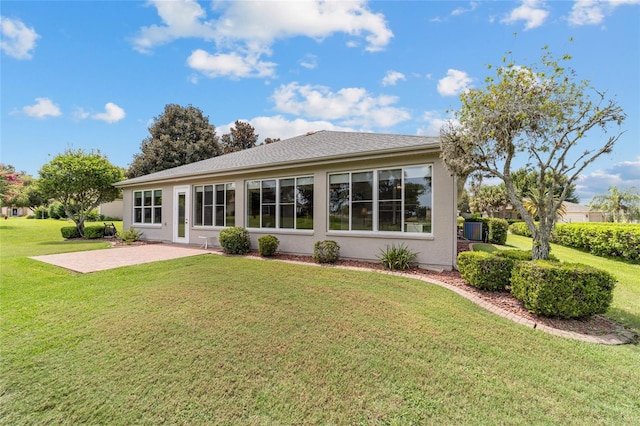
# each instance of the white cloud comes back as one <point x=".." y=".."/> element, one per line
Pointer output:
<point x="309" y="61"/>
<point x="80" y="114"/>
<point x="112" y="114"/>
<point x="461" y="10"/>
<point x="434" y="123"/>
<point x="392" y="78"/>
<point x="625" y="174"/>
<point x="454" y="83"/>
<point x="351" y="106"/>
<point x="231" y="65"/>
<point x="18" y="40"/>
<point x="43" y="107"/>
<point x="530" y="11"/>
<point x="244" y="31"/>
<point x="279" y="127"/>
<point x="181" y="19"/>
<point x="593" y="12"/>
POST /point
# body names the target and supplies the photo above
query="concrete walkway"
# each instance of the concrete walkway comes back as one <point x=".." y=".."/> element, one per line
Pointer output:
<point x="116" y="257"/>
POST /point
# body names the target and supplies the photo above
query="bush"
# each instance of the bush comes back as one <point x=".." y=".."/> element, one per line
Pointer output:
<point x="601" y="239"/>
<point x="69" y="232"/>
<point x="498" y="231"/>
<point x="267" y="245"/>
<point x="484" y="270"/>
<point x="41" y="212"/>
<point x="562" y="290"/>
<point x="326" y="251"/>
<point x="398" y="257"/>
<point x="235" y="240"/>
<point x="520" y="228"/>
<point x="93" y="216"/>
<point x="93" y="232"/>
<point x="131" y="235"/>
<point x="522" y="255"/>
<point x="56" y="211"/>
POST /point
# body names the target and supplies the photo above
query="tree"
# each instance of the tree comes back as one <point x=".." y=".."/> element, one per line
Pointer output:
<point x="538" y="112"/>
<point x="81" y="182"/>
<point x="180" y="135"/>
<point x="267" y="141"/>
<point x="489" y="199"/>
<point x="622" y="205"/>
<point x="242" y="136"/>
<point x="18" y="188"/>
<point x="525" y="184"/>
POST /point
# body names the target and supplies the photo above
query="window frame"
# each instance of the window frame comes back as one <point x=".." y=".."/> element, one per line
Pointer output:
<point x="153" y="207"/>
<point x="376" y="200"/>
<point x="213" y="206"/>
<point x="257" y="184"/>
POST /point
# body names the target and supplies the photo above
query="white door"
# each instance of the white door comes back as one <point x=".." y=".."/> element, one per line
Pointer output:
<point x="181" y="202"/>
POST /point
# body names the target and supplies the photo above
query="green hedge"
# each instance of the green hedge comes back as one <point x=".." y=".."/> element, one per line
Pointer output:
<point x="69" y="232"/>
<point x="484" y="270"/>
<point x="520" y="228"/>
<point x="601" y="239"/>
<point x="326" y="251"/>
<point x="498" y="231"/>
<point x="561" y="289"/>
<point x="93" y="232"/>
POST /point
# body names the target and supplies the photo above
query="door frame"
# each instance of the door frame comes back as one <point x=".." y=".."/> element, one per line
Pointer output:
<point x="177" y="190"/>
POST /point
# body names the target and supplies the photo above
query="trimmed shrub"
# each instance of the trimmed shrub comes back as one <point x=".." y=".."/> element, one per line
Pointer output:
<point x="601" y="239"/>
<point x="520" y="228"/>
<point x="484" y="270"/>
<point x="93" y="232"/>
<point x="521" y="255"/>
<point x="56" y="210"/>
<point x="131" y="235"/>
<point x="498" y="231"/>
<point x="267" y="245"/>
<point x="562" y="290"/>
<point x="235" y="240"/>
<point x="69" y="232"/>
<point x="326" y="251"/>
<point x="398" y="257"/>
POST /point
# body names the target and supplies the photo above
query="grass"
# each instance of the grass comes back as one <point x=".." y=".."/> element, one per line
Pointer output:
<point x="232" y="340"/>
<point x="625" y="307"/>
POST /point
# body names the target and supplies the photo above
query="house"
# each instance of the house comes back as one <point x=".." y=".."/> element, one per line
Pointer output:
<point x="13" y="211"/>
<point x="577" y="213"/>
<point x="362" y="190"/>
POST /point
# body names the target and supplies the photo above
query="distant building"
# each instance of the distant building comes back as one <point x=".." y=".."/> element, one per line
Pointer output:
<point x="577" y="213"/>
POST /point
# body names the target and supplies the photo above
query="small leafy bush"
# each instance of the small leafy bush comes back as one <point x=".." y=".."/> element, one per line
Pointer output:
<point x="484" y="270"/>
<point x="327" y="251"/>
<point x="93" y="216"/>
<point x="398" y="257"/>
<point x="521" y="255"/>
<point x="498" y="231"/>
<point x="562" y="290"/>
<point x="56" y="210"/>
<point x="69" y="232"/>
<point x="131" y="235"/>
<point x="235" y="240"/>
<point x="93" y="232"/>
<point x="41" y="212"/>
<point x="267" y="245"/>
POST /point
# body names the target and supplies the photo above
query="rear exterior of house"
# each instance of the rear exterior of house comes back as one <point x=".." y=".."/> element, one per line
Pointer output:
<point x="362" y="190"/>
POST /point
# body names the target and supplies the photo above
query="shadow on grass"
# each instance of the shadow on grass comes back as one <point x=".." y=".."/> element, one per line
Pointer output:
<point x="625" y="318"/>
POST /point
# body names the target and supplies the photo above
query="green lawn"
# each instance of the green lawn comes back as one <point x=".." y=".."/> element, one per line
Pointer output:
<point x="232" y="340"/>
<point x="625" y="307"/>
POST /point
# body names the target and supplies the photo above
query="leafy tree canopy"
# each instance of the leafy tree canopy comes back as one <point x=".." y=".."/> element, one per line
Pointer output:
<point x="623" y="205"/>
<point x="180" y="135"/>
<point x="241" y="136"/>
<point x="18" y="188"/>
<point x="540" y="114"/>
<point x="80" y="182"/>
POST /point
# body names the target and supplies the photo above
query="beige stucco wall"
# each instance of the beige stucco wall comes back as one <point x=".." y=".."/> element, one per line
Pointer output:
<point x="112" y="209"/>
<point x="437" y="250"/>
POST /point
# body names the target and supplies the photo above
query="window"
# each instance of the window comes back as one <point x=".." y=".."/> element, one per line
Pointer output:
<point x="147" y="206"/>
<point x="214" y="205"/>
<point x="280" y="203"/>
<point x="389" y="200"/>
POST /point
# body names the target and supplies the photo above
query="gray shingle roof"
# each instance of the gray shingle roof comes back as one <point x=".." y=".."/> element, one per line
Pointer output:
<point x="318" y="146"/>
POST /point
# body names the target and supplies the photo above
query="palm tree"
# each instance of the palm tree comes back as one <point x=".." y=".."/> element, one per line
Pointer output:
<point x="621" y="205"/>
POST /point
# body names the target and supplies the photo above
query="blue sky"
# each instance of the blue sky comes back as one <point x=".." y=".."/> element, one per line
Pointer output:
<point x="93" y="74"/>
